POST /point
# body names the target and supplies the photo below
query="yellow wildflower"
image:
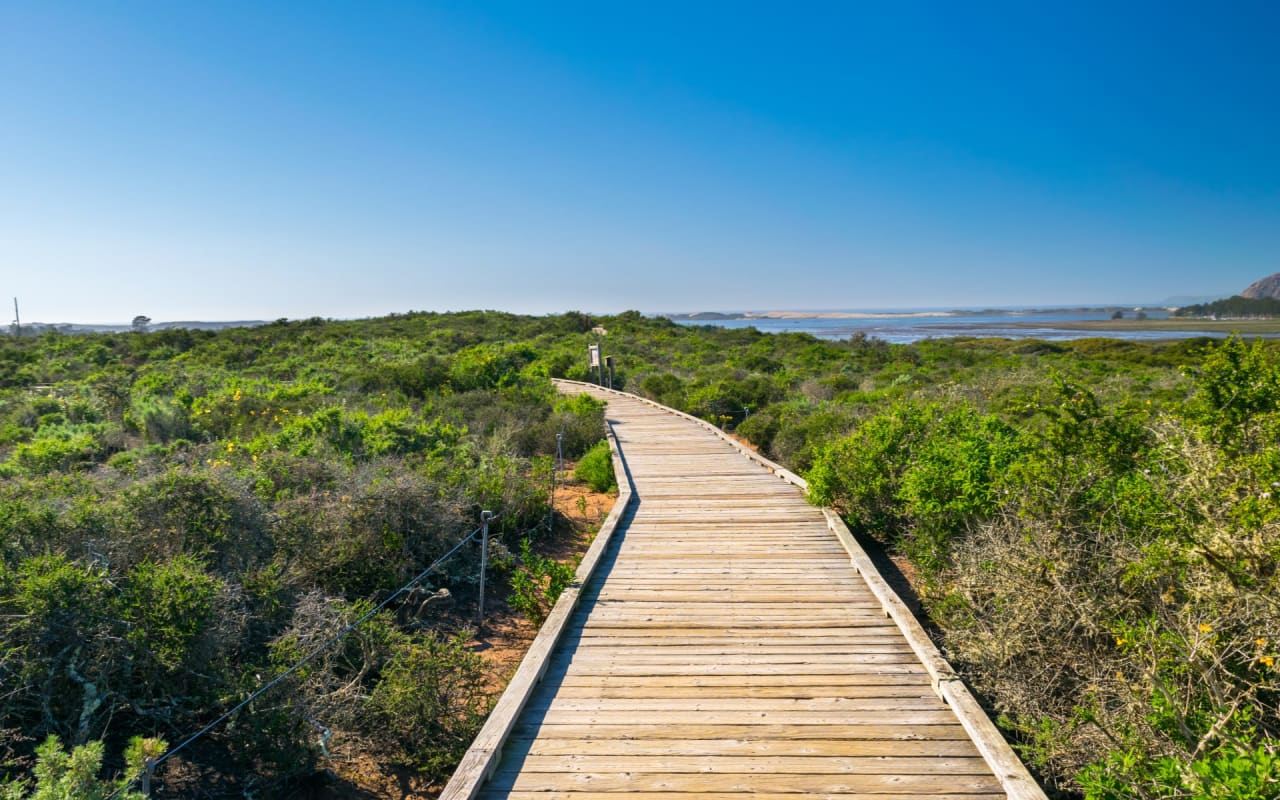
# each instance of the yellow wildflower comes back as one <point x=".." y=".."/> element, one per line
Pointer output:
<point x="1267" y="661"/>
<point x="231" y="447"/>
<point x="1121" y="641"/>
<point x="1205" y="627"/>
<point x="1260" y="642"/>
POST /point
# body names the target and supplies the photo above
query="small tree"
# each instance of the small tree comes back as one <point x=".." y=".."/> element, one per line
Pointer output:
<point x="141" y="324"/>
<point x="63" y="775"/>
<point x="1117" y="315"/>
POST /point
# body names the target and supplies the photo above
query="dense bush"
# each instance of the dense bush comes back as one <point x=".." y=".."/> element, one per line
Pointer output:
<point x="431" y="701"/>
<point x="537" y="582"/>
<point x="173" y="507"/>
<point x="596" y="469"/>
<point x="1105" y="572"/>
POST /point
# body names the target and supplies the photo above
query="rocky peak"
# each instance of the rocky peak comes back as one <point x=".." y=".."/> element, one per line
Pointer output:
<point x="1267" y="287"/>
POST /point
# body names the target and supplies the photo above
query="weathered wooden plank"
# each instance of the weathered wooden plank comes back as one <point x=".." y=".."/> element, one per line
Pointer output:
<point x="743" y="765"/>
<point x="555" y="716"/>
<point x="751" y="782"/>
<point x="545" y="746"/>
<point x="648" y="731"/>
<point x="713" y="795"/>
<point x="922" y="700"/>
<point x="589" y="658"/>
<point x="675" y="667"/>
<point x="796" y="683"/>
<point x="872" y="637"/>
<point x="655" y="689"/>
<point x="742" y="634"/>
<point x="604" y="650"/>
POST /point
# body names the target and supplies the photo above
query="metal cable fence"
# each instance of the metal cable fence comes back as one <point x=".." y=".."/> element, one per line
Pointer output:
<point x="480" y="533"/>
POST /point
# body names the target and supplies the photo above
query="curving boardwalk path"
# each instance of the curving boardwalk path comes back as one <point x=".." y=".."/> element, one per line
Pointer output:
<point x="725" y="646"/>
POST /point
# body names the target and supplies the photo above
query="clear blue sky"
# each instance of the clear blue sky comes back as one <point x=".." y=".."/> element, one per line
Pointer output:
<point x="233" y="160"/>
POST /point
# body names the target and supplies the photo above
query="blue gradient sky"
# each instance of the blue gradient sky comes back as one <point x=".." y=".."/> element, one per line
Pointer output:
<point x="248" y="160"/>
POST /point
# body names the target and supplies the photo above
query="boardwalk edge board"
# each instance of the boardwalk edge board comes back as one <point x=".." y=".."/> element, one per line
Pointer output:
<point x="1009" y="769"/>
<point x="482" y="757"/>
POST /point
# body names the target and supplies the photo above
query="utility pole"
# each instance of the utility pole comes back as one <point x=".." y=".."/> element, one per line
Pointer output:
<point x="17" y="321"/>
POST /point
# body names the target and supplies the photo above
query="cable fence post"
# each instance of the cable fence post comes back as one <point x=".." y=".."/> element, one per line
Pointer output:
<point x="555" y="473"/>
<point x="149" y="766"/>
<point x="485" y="516"/>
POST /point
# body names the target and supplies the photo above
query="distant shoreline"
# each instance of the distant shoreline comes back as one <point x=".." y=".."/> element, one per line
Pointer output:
<point x="1179" y="324"/>
<point x="844" y="314"/>
<point x="720" y="316"/>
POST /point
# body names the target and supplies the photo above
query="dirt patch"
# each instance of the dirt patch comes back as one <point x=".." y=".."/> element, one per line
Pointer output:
<point x="745" y="442"/>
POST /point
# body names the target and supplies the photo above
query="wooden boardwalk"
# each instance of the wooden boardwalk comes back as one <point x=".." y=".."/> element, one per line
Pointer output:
<point x="725" y="645"/>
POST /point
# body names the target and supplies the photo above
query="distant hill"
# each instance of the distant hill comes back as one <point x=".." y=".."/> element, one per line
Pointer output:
<point x="1267" y="287"/>
<point x="1260" y="301"/>
<point x="37" y="328"/>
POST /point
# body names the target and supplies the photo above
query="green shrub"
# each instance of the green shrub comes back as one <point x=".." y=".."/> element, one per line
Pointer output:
<point x="665" y="388"/>
<point x="861" y="474"/>
<point x="1235" y="387"/>
<point x="759" y="429"/>
<point x="805" y="430"/>
<point x="596" y="469"/>
<point x="60" y="775"/>
<point x="169" y="608"/>
<point x="431" y="702"/>
<point x="160" y="419"/>
<point x="952" y="481"/>
<point x="580" y="421"/>
<point x="59" y="447"/>
<point x="206" y="513"/>
<point x="537" y="582"/>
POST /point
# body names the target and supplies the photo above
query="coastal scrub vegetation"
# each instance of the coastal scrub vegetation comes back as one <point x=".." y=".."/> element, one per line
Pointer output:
<point x="184" y="515"/>
<point x="1093" y="525"/>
